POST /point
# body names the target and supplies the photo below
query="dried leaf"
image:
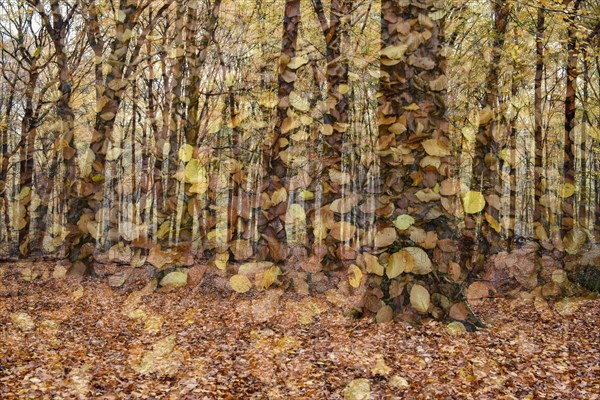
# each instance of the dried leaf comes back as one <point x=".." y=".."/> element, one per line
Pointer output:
<point x="419" y="298"/>
<point x="240" y="283"/>
<point x="185" y="152"/>
<point x="343" y="231"/>
<point x="435" y="147"/>
<point x="175" y="279"/>
<point x="354" y="276"/>
<point x="422" y="263"/>
<point x="357" y="389"/>
<point x="394" y="52"/>
<point x="372" y="264"/>
<point x="398" y="263"/>
<point x="385" y="237"/>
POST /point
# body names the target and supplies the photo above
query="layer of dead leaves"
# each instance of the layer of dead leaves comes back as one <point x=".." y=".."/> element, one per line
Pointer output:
<point x="70" y="339"/>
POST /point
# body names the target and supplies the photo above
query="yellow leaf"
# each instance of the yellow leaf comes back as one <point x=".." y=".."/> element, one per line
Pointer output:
<point x="574" y="240"/>
<point x="455" y="327"/>
<point x="398" y="382"/>
<point x="214" y="126"/>
<point x="439" y="84"/>
<point x="25" y="190"/>
<point x="306" y="195"/>
<point x="404" y="222"/>
<point x="493" y="223"/>
<point x="253" y="268"/>
<point x="185" y="152"/>
<point x="117" y="84"/>
<point x="240" y="283"/>
<point x="114" y="153"/>
<point x="540" y="233"/>
<point x="268" y="100"/>
<point x="343" y="205"/>
<point x="354" y="276"/>
<point x="343" y="89"/>
<point x="268" y="277"/>
<point x="107" y="116"/>
<point x="175" y="279"/>
<point x="339" y="178"/>
<point x="164" y="229"/>
<point x="358" y="389"/>
<point x="299" y="102"/>
<point x="567" y="190"/>
<point x="121" y="16"/>
<point x="326" y="130"/>
<point x="398" y="263"/>
<point x="419" y="298"/>
<point x="427" y="195"/>
<point x="384" y="314"/>
<point x="295" y="214"/>
<point x="473" y="202"/>
<point x="23" y="321"/>
<point x="199" y="188"/>
<point x="380" y="368"/>
<point x="221" y="260"/>
<point x="279" y="196"/>
<point x="195" y="172"/>
<point x="468" y="133"/>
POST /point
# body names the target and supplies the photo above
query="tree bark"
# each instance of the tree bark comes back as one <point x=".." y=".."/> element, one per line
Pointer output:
<point x="416" y="158"/>
<point x="273" y="234"/>
<point x="484" y="177"/>
<point x="570" y="111"/>
<point x="538" y="214"/>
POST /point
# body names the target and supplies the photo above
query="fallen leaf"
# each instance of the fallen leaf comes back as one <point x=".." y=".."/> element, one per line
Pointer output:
<point x="240" y="283"/>
<point x="357" y="389"/>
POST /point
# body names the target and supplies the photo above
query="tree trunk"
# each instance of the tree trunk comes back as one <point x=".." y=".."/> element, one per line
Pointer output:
<point x="484" y="178"/>
<point x="570" y="121"/>
<point x="538" y="214"/>
<point x="273" y="230"/>
<point x="418" y="201"/>
<point x="28" y="135"/>
<point x="4" y="166"/>
<point x="337" y="148"/>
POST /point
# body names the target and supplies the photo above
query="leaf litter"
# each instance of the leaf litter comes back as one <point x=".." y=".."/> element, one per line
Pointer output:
<point x="72" y="338"/>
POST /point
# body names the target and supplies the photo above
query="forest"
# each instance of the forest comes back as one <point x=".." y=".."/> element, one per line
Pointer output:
<point x="205" y="191"/>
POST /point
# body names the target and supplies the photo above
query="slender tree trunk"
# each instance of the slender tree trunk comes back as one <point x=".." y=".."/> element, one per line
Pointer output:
<point x="273" y="234"/>
<point x="539" y="189"/>
<point x="337" y="148"/>
<point x="5" y="164"/>
<point x="570" y="121"/>
<point x="57" y="26"/>
<point x="484" y="178"/>
<point x="28" y="136"/>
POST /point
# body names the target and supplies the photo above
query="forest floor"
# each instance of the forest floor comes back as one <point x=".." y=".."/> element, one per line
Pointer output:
<point x="79" y="338"/>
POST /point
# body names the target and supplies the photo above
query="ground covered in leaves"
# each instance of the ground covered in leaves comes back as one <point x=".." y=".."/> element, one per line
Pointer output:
<point x="71" y="338"/>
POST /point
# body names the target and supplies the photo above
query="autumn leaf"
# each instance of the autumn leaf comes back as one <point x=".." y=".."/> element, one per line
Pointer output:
<point x="240" y="283"/>
<point x="419" y="298"/>
<point x="473" y="202"/>
<point x="354" y="275"/>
